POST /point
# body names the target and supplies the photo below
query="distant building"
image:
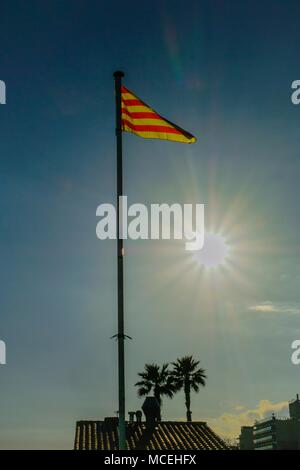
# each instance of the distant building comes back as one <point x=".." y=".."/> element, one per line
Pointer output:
<point x="246" y="438"/>
<point x="274" y="433"/>
<point x="277" y="434"/>
<point x="151" y="434"/>
<point x="294" y="408"/>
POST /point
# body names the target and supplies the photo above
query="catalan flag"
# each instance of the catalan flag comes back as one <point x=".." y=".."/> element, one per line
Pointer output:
<point x="137" y="117"/>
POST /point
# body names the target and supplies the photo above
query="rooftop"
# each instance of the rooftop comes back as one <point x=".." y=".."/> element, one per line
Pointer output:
<point x="165" y="435"/>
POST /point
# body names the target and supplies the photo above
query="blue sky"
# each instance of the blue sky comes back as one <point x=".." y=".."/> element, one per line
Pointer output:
<point x="222" y="70"/>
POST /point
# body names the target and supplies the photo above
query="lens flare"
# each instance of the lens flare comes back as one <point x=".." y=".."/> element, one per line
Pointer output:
<point x="214" y="252"/>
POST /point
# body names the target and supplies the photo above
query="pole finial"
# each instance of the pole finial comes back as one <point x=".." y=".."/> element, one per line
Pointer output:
<point x="118" y="74"/>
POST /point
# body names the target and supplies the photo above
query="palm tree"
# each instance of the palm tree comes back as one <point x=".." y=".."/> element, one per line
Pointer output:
<point x="156" y="379"/>
<point x="188" y="376"/>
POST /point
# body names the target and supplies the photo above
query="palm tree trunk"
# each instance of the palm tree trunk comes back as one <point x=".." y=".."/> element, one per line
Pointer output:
<point x="187" y="392"/>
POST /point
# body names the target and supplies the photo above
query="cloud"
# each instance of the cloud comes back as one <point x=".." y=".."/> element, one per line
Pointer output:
<point x="273" y="307"/>
<point x="239" y="408"/>
<point x="229" y="424"/>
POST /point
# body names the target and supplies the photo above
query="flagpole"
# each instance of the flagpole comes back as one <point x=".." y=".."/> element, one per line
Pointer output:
<point x="120" y="252"/>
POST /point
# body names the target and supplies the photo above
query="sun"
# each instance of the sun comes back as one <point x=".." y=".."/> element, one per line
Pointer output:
<point x="214" y="252"/>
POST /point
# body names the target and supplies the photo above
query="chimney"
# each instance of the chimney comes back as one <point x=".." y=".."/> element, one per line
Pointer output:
<point x="138" y="415"/>
<point x="131" y="416"/>
<point x="151" y="409"/>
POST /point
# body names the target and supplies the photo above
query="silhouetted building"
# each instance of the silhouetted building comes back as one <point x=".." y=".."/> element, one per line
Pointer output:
<point x="277" y="434"/>
<point x="294" y="408"/>
<point x="246" y="438"/>
<point x="274" y="433"/>
<point x="151" y="434"/>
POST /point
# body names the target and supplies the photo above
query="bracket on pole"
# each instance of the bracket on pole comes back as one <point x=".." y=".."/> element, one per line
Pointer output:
<point x="117" y="336"/>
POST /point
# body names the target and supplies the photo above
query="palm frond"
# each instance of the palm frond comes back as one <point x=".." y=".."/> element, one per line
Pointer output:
<point x="142" y="391"/>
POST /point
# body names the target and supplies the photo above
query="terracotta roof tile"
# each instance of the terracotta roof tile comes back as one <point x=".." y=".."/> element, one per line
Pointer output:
<point x="166" y="435"/>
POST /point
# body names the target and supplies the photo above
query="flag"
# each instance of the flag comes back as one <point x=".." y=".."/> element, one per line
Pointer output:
<point x="137" y="117"/>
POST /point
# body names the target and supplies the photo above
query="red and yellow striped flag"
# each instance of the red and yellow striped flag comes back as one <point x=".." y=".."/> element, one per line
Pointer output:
<point x="140" y="119"/>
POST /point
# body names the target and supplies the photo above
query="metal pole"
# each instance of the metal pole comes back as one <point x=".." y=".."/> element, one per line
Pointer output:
<point x="120" y="252"/>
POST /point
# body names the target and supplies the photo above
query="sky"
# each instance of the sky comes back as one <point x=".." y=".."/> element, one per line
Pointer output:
<point x="223" y="71"/>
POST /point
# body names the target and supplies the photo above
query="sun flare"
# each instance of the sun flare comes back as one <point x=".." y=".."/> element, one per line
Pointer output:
<point x="214" y="252"/>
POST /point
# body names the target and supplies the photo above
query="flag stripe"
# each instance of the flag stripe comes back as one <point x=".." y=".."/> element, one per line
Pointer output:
<point x="141" y="114"/>
<point x="132" y="102"/>
<point x="159" y="135"/>
<point x="146" y="122"/>
<point x="150" y="128"/>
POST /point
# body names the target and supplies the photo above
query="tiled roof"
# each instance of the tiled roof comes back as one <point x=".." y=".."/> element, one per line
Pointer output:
<point x="166" y="435"/>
